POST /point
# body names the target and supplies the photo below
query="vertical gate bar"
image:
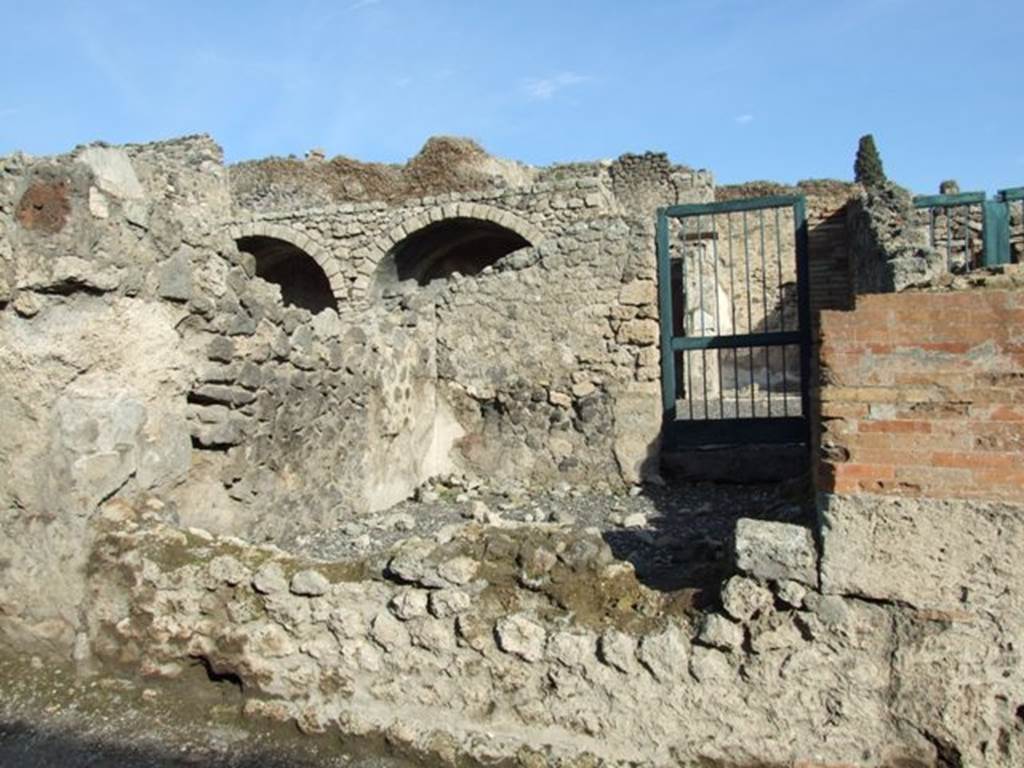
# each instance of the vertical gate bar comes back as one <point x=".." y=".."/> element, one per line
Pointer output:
<point x="718" y="319"/>
<point x="703" y="330"/>
<point x="782" y="312"/>
<point x="686" y="322"/>
<point x="732" y="297"/>
<point x="668" y="361"/>
<point x="804" y="308"/>
<point x="750" y="310"/>
<point x="764" y="302"/>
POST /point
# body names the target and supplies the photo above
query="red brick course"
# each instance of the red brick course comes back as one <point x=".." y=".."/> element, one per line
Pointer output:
<point x="923" y="394"/>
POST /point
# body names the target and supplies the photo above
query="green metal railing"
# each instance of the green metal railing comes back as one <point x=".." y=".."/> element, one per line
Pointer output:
<point x="954" y="221"/>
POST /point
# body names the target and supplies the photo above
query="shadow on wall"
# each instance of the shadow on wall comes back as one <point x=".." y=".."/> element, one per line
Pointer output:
<point x="460" y="245"/>
<point x="302" y="281"/>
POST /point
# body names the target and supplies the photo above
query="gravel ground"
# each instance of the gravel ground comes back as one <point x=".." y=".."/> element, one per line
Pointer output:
<point x="676" y="536"/>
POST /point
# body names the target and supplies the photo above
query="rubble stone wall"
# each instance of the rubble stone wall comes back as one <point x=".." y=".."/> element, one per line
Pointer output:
<point x="142" y="354"/>
<point x="524" y="643"/>
<point x="162" y="400"/>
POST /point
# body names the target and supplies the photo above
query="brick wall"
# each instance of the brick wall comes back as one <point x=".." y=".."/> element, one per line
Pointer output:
<point x="922" y="394"/>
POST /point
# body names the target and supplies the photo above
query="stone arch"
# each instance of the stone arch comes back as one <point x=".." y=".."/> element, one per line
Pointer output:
<point x="442" y="231"/>
<point x="273" y="243"/>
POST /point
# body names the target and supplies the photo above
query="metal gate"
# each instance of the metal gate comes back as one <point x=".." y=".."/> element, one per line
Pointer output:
<point x="973" y="231"/>
<point x="735" y="319"/>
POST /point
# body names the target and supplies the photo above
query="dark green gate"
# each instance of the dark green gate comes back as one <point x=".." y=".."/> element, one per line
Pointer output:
<point x="971" y="230"/>
<point x="735" y="318"/>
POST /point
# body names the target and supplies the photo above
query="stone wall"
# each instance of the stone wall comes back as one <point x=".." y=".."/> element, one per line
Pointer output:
<point x="147" y="355"/>
<point x="547" y="359"/>
<point x="163" y="399"/>
<point x="523" y="643"/>
<point x="890" y="248"/>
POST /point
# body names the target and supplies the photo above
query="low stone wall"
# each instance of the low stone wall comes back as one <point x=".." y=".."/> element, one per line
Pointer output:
<point x="522" y="642"/>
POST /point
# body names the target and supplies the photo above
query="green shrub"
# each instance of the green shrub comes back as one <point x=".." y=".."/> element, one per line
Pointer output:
<point x="867" y="168"/>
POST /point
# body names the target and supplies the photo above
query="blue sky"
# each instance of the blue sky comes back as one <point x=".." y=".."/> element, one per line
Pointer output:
<point x="749" y="89"/>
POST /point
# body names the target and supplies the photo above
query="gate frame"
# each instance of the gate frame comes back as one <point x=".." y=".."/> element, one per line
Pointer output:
<point x="736" y="431"/>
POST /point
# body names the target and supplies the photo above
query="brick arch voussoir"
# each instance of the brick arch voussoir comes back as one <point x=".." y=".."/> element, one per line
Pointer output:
<point x="309" y="244"/>
<point x="413" y="224"/>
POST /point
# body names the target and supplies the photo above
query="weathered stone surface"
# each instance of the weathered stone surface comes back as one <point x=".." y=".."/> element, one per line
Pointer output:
<point x="769" y="550"/>
<point x="113" y="171"/>
<point x="459" y="570"/>
<point x="638" y="419"/>
<point x="409" y="604"/>
<point x="175" y="278"/>
<point x="388" y="632"/>
<point x="270" y="579"/>
<point x="448" y="602"/>
<point x="638" y="292"/>
<point x="571" y="649"/>
<point x="666" y="654"/>
<point x="228" y="570"/>
<point x="930" y="553"/>
<point x="640" y="332"/>
<point x="792" y="593"/>
<point x="309" y="583"/>
<point x="521" y="636"/>
<point x="719" y="632"/>
<point x="742" y="598"/>
<point x="618" y="650"/>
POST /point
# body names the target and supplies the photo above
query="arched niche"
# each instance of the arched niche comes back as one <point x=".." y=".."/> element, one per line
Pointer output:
<point x="302" y="280"/>
<point x="461" y="244"/>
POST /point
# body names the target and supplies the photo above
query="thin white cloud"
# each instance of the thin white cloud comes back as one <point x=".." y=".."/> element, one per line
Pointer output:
<point x="744" y="119"/>
<point x="545" y="88"/>
<point x="10" y="111"/>
<point x="362" y="4"/>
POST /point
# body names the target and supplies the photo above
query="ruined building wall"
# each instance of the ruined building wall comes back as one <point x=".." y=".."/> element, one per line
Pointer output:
<point x="547" y="360"/>
<point x="143" y="354"/>
<point x="890" y="247"/>
<point x="921" y="395"/>
<point x="922" y="498"/>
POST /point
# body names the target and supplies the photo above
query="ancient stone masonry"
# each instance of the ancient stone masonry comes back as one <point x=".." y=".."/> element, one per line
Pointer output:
<point x="204" y="367"/>
<point x="144" y="347"/>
